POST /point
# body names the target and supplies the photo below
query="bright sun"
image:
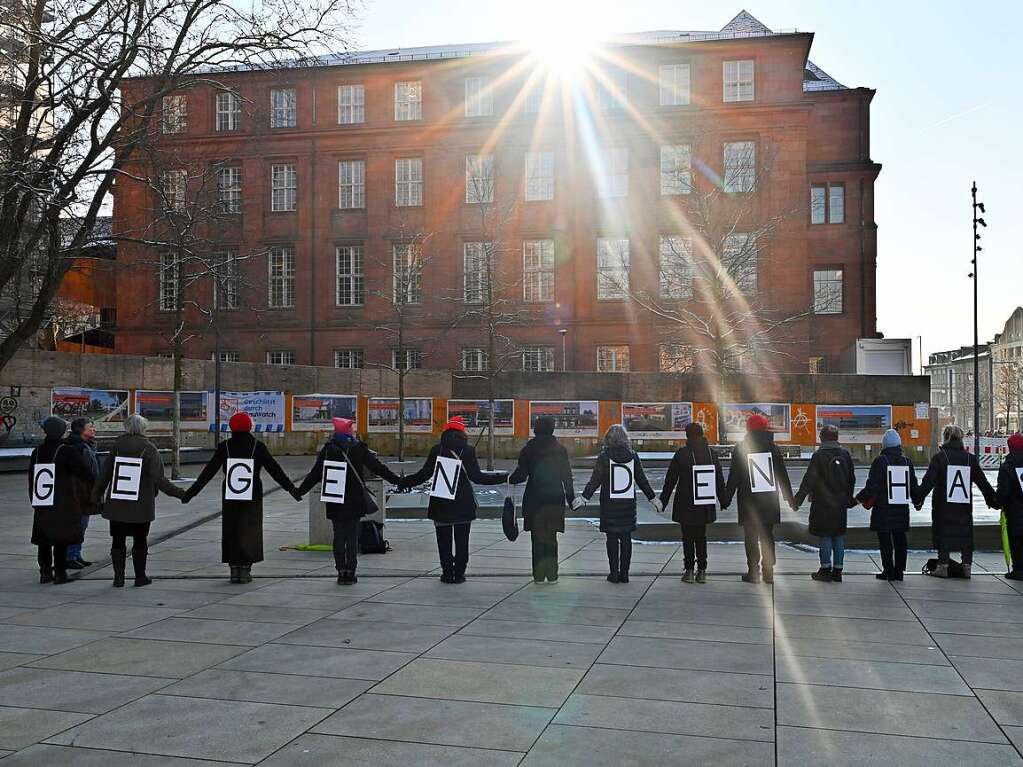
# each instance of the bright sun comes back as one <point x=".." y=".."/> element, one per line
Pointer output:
<point x="565" y="56"/>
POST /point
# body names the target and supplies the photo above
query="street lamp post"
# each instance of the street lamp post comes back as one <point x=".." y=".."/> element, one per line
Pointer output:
<point x="977" y="221"/>
<point x="563" y="332"/>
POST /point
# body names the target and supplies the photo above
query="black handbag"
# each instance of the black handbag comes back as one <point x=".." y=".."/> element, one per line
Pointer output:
<point x="509" y="520"/>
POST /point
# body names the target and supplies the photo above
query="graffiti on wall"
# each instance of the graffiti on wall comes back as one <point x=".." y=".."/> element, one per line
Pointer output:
<point x="9" y="412"/>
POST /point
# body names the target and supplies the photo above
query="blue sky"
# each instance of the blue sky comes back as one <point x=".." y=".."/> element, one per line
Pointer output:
<point x="947" y="111"/>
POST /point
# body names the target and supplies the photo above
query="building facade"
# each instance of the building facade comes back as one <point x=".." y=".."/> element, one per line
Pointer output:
<point x="679" y="195"/>
<point x="1007" y="375"/>
<point x="952" y="389"/>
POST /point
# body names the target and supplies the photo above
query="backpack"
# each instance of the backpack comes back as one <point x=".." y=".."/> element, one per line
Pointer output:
<point x="371" y="538"/>
<point x="836" y="478"/>
<point x="955" y="569"/>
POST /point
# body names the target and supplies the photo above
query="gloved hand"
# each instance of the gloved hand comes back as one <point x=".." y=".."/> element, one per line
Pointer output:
<point x="578" y="503"/>
<point x="658" y="506"/>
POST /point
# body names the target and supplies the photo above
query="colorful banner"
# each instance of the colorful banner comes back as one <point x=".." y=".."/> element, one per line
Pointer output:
<point x="313" y="412"/>
<point x="576" y="418"/>
<point x="657" y="420"/>
<point x="857" y="424"/>
<point x="476" y="415"/>
<point x="106" y="407"/>
<point x="734" y="418"/>
<point x="383" y="414"/>
<point x="265" y="407"/>
<point x="157" y="407"/>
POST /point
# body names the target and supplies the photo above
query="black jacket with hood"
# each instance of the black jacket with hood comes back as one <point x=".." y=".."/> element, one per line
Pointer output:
<point x="886" y="517"/>
<point x="696" y="452"/>
<point x="830" y="480"/>
<point x="544" y="467"/>
<point x="952" y="523"/>
<point x="757" y="508"/>
<point x="617" y="515"/>
<point x="1010" y="492"/>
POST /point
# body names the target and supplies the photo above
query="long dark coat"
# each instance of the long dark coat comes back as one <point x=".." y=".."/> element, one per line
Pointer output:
<point x="617" y="515"/>
<point x="1010" y="493"/>
<point x="952" y="523"/>
<point x="359" y="458"/>
<point x="830" y="480"/>
<point x="82" y="486"/>
<point x="453" y="444"/>
<point x="680" y="480"/>
<point x="885" y="517"/>
<point x="153" y="481"/>
<point x="757" y="508"/>
<point x="242" y="532"/>
<point x="60" y="524"/>
<point x="544" y="467"/>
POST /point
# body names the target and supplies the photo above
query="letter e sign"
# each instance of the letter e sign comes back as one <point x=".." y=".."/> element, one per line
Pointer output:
<point x="761" y="473"/>
<point x="705" y="488"/>
<point x="43" y="484"/>
<point x="126" y="482"/>
<point x="240" y="479"/>
<point x="335" y="477"/>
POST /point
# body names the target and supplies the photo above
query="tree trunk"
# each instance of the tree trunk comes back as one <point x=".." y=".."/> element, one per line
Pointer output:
<point x="401" y="415"/>
<point x="492" y="436"/>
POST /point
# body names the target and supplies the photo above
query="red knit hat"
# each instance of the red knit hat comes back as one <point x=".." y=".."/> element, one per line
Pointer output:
<point x="757" y="422"/>
<point x="343" y="425"/>
<point x="455" y="423"/>
<point x="1016" y="443"/>
<point x="241" y="422"/>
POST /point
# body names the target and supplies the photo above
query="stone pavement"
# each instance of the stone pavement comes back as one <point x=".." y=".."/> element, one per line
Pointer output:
<point x="401" y="669"/>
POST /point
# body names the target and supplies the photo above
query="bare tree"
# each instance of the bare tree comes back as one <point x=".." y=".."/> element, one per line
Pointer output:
<point x="1009" y="391"/>
<point x="73" y="112"/>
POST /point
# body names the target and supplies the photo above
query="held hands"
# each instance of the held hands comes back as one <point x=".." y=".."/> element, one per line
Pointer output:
<point x="658" y="506"/>
<point x="578" y="503"/>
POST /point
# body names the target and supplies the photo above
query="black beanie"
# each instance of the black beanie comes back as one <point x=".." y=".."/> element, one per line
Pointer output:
<point x="54" y="427"/>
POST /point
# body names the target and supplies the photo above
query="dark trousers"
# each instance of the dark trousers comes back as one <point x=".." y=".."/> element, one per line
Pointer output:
<point x="619" y="552"/>
<point x="453" y="563"/>
<point x="694" y="546"/>
<point x="545" y="555"/>
<point x="53" y="558"/>
<point x="1016" y="551"/>
<point x="139" y="532"/>
<point x="893" y="551"/>
<point x="967" y="552"/>
<point x="346" y="544"/>
<point x="759" y="539"/>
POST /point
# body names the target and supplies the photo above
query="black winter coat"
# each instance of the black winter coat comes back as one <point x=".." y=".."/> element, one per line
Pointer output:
<point x="82" y="486"/>
<point x="359" y="458"/>
<point x="952" y="523"/>
<point x="544" y="467"/>
<point x="680" y="480"/>
<point x="829" y="481"/>
<point x="1010" y="492"/>
<point x="453" y="444"/>
<point x="885" y="517"/>
<point x="757" y="508"/>
<point x="617" y="515"/>
<point x="60" y="524"/>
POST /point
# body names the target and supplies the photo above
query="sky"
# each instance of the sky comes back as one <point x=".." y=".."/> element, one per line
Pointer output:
<point x="947" y="112"/>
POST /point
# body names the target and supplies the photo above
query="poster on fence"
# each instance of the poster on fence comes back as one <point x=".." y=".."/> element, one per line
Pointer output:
<point x="157" y="407"/>
<point x="857" y="424"/>
<point x="476" y="415"/>
<point x="657" y="420"/>
<point x="106" y="407"/>
<point x="575" y="418"/>
<point x="265" y="407"/>
<point x="383" y="414"/>
<point x="734" y="416"/>
<point x="313" y="412"/>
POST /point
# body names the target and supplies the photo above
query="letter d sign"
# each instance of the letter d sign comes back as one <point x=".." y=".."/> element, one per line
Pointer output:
<point x="240" y="479"/>
<point x="43" y="484"/>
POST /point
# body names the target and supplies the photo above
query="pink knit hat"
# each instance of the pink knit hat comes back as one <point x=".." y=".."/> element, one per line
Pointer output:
<point x="343" y="425"/>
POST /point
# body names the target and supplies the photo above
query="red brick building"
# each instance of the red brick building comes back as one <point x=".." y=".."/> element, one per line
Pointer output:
<point x="325" y="176"/>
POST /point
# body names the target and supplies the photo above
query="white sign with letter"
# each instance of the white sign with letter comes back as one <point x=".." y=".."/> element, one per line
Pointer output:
<point x="1019" y="476"/>
<point x="623" y="480"/>
<point x="445" y="478"/>
<point x="335" y="477"/>
<point x="898" y="485"/>
<point x="761" y="473"/>
<point x="705" y="488"/>
<point x="43" y="484"/>
<point x="240" y="483"/>
<point x="957" y="484"/>
<point x="126" y="482"/>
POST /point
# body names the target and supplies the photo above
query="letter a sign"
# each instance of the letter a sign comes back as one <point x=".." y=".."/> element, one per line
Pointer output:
<point x="43" y="484"/>
<point x="445" y="478"/>
<point x="126" y="480"/>
<point x="623" y="480"/>
<point x="335" y="477"/>
<point x="240" y="479"/>
<point x="761" y="473"/>
<point x="705" y="488"/>
<point x="957" y="484"/>
<point x="898" y="485"/>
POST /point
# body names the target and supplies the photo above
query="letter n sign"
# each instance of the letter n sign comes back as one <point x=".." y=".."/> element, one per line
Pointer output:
<point x="335" y="477"/>
<point x="623" y="480"/>
<point x="705" y="488"/>
<point x="126" y="481"/>
<point x="240" y="479"/>
<point x="43" y="484"/>
<point x="761" y="473"/>
<point x="898" y="485"/>
<point x="957" y="484"/>
<point x="445" y="478"/>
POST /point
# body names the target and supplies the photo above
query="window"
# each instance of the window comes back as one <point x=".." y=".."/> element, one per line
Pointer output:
<point x="413" y="359"/>
<point x="229" y="111"/>
<point x="676" y="267"/>
<point x="350" y="277"/>
<point x="226" y="280"/>
<point x="479" y="178"/>
<point x="738" y="80"/>
<point x="535" y="97"/>
<point x="612" y="89"/>
<point x="283" y="188"/>
<point x="408" y="273"/>
<point x="612" y="359"/>
<point x="475" y="360"/>
<point x="612" y="268"/>
<point x="675" y="358"/>
<point x="817" y="366"/>
<point x="283" y="108"/>
<point x="538" y="271"/>
<point x="827" y="203"/>
<point x="739" y="262"/>
<point x="676" y="169"/>
<point x="173" y="183"/>
<point x="538" y="359"/>
<point x="282" y="358"/>
<point x="827" y="291"/>
<point x="174" y="115"/>
<point x="350" y="359"/>
<point x="351" y="104"/>
<point x="479" y="100"/>
<point x="408" y="182"/>
<point x="818" y="203"/>
<point x="351" y="184"/>
<point x="740" y="166"/>
<point x="614" y="165"/>
<point x="229" y="189"/>
<point x="836" y="204"/>
<point x="408" y="100"/>
<point x="281" y="278"/>
<point x="169" y="268"/>
<point x="539" y="176"/>
<point x="674" y="84"/>
<point x="227" y="357"/>
<point x="476" y="281"/>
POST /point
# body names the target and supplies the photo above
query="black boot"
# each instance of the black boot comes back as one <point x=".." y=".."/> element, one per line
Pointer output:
<point x="236" y="574"/>
<point x="836" y="575"/>
<point x="60" y="577"/>
<point x="118" y="559"/>
<point x="138" y="559"/>
<point x="46" y="575"/>
<point x="824" y="574"/>
<point x="245" y="574"/>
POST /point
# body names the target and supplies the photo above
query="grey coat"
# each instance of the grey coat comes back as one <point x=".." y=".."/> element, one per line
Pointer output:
<point x="153" y="480"/>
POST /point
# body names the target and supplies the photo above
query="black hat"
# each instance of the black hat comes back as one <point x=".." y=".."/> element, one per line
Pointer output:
<point x="508" y="520"/>
<point x="54" y="427"/>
